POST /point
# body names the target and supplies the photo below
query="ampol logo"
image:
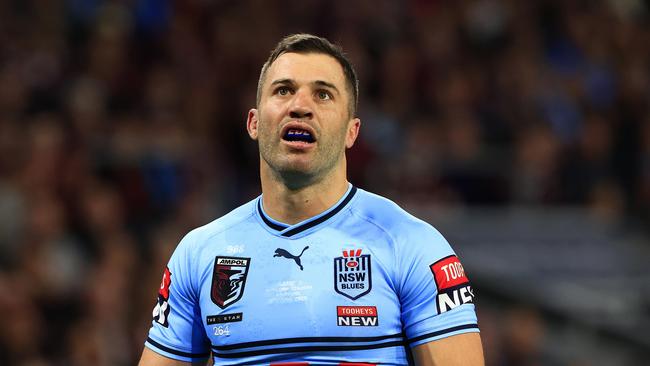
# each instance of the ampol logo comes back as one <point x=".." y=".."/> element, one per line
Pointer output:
<point x="228" y="280"/>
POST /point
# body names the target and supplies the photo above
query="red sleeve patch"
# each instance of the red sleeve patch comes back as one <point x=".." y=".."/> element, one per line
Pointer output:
<point x="448" y="272"/>
<point x="453" y="286"/>
<point x="161" y="311"/>
<point x="164" y="284"/>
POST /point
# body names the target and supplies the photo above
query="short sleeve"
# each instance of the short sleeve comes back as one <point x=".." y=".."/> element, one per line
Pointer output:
<point x="177" y="331"/>
<point x="436" y="297"/>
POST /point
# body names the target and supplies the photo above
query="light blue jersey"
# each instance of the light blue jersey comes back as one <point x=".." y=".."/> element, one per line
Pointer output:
<point x="363" y="282"/>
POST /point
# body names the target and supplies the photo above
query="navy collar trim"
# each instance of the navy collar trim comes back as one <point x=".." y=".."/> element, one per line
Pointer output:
<point x="307" y="224"/>
<point x="267" y="221"/>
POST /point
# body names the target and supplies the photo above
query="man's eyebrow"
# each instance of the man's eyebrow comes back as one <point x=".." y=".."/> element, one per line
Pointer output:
<point x="327" y="85"/>
<point x="283" y="82"/>
<point x="320" y="83"/>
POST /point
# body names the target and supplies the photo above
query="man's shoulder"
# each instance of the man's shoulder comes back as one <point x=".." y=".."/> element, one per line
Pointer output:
<point x="387" y="214"/>
<point x="226" y="222"/>
<point x="412" y="236"/>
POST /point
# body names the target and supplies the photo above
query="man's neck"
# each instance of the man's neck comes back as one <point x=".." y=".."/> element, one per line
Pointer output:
<point x="291" y="206"/>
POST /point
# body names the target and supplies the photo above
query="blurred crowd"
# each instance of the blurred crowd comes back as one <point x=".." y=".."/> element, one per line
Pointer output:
<point x="122" y="126"/>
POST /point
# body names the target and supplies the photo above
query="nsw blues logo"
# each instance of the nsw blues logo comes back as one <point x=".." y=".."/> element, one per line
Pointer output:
<point x="228" y="280"/>
<point x="352" y="275"/>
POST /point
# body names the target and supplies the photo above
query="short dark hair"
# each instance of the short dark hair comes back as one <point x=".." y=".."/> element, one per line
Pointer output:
<point x="307" y="43"/>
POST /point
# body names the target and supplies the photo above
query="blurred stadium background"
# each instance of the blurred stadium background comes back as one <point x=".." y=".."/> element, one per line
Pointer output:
<point x="521" y="129"/>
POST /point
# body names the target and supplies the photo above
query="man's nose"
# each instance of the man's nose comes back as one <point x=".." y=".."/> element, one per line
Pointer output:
<point x="301" y="105"/>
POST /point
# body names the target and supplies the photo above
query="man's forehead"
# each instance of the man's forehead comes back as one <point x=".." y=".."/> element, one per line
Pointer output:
<point x="306" y="68"/>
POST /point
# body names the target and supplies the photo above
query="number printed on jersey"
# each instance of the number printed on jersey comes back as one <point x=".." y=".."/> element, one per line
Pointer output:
<point x="221" y="330"/>
<point x="452" y="283"/>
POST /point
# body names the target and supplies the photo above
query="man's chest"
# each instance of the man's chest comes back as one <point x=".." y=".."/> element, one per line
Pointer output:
<point x="309" y="289"/>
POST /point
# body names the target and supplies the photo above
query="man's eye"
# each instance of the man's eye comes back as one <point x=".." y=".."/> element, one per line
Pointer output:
<point x="323" y="95"/>
<point x="283" y="90"/>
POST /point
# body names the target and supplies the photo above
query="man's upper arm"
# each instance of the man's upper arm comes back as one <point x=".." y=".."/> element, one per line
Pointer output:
<point x="435" y="294"/>
<point x="177" y="331"/>
<point x="459" y="350"/>
<point x="151" y="358"/>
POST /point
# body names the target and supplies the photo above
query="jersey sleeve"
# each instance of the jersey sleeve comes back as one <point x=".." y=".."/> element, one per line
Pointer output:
<point x="177" y="331"/>
<point x="436" y="296"/>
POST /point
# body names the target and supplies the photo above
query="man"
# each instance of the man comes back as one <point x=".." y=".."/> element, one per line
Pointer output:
<point x="314" y="271"/>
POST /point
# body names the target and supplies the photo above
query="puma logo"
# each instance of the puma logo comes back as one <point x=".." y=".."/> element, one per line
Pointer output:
<point x="283" y="253"/>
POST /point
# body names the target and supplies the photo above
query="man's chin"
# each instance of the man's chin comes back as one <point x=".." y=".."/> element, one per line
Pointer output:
<point x="297" y="174"/>
<point x="296" y="170"/>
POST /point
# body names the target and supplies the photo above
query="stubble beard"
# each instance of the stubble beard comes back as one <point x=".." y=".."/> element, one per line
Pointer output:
<point x="298" y="173"/>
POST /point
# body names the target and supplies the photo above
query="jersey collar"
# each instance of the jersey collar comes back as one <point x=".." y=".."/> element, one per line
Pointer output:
<point x="291" y="230"/>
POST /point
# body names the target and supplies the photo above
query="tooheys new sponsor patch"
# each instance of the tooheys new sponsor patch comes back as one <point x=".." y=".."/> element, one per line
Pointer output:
<point x="453" y="286"/>
<point x="356" y="316"/>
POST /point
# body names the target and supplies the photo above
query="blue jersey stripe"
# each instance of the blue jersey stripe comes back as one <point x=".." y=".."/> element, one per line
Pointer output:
<point x="337" y="348"/>
<point x="176" y="352"/>
<point x="441" y="332"/>
<point x="271" y="342"/>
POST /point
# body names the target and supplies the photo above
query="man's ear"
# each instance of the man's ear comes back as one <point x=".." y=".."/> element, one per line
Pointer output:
<point x="353" y="132"/>
<point x="251" y="123"/>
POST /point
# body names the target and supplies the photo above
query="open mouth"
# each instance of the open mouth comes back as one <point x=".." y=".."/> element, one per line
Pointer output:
<point x="298" y="134"/>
